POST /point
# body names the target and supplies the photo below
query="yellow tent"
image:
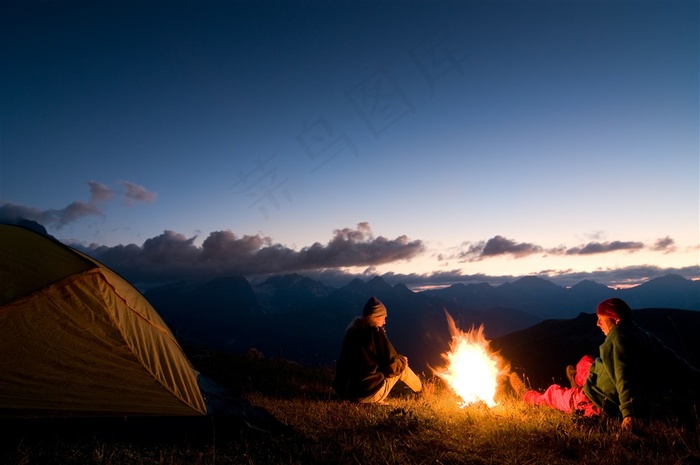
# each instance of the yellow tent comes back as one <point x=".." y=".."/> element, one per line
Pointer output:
<point x="78" y="340"/>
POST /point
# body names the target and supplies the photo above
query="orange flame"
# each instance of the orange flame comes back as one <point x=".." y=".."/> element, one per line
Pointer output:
<point x="472" y="369"/>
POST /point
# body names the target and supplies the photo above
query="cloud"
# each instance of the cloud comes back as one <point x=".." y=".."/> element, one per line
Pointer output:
<point x="224" y="246"/>
<point x="75" y="211"/>
<point x="137" y="193"/>
<point x="499" y="245"/>
<point x="620" y="277"/>
<point x="100" y="194"/>
<point x="605" y="247"/>
<point x="665" y="244"/>
<point x="12" y="213"/>
<point x="169" y="247"/>
<point x="172" y="256"/>
<point x="358" y="247"/>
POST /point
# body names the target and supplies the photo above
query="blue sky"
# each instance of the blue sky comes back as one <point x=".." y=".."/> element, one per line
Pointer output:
<point x="428" y="142"/>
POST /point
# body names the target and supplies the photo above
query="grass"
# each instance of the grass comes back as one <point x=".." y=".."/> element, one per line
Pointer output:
<point x="426" y="429"/>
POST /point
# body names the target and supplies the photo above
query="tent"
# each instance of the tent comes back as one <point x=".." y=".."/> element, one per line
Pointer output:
<point x="78" y="340"/>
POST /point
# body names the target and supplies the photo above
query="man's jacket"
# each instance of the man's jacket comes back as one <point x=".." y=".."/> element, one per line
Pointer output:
<point x="366" y="358"/>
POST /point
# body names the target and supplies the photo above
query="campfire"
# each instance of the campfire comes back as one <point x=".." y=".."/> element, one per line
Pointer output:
<point x="472" y="370"/>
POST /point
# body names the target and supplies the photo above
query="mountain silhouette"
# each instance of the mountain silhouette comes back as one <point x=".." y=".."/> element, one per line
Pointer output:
<point x="301" y="319"/>
<point x="222" y="313"/>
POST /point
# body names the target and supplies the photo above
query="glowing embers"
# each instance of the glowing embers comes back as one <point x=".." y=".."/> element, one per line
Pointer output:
<point x="472" y="370"/>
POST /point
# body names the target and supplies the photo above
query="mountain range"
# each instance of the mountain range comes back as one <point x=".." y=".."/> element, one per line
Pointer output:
<point x="298" y="318"/>
<point x="537" y="326"/>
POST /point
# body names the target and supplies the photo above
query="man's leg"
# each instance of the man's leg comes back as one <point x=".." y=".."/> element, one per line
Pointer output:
<point x="411" y="379"/>
<point x="407" y="376"/>
<point x="381" y="393"/>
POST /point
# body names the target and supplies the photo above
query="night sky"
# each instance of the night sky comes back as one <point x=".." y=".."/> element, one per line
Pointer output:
<point x="428" y="142"/>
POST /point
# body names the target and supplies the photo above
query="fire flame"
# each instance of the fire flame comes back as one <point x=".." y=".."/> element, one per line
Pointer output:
<point x="472" y="369"/>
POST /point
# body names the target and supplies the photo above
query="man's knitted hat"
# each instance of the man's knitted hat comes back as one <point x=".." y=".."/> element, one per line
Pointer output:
<point x="615" y="308"/>
<point x="374" y="308"/>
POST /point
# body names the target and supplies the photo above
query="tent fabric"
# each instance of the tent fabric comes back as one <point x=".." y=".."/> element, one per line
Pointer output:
<point x="29" y="262"/>
<point x="76" y="339"/>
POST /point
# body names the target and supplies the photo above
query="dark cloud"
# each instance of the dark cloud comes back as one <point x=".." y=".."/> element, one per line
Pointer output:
<point x="499" y="245"/>
<point x="444" y="278"/>
<point x="172" y="256"/>
<point x="665" y="244"/>
<point x="99" y="193"/>
<point x="76" y="210"/>
<point x="136" y="193"/>
<point x="605" y="247"/>
<point x="621" y="277"/>
<point x="169" y="247"/>
<point x="12" y="213"/>
<point x="224" y="246"/>
<point x="358" y="247"/>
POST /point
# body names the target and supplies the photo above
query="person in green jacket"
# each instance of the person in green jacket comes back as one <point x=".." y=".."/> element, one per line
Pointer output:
<point x="368" y="366"/>
<point x="636" y="375"/>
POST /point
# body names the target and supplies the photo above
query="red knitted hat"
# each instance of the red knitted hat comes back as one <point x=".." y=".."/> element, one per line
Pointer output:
<point x="615" y="308"/>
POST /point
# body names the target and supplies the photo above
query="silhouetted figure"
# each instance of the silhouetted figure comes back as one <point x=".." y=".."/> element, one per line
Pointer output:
<point x="368" y="366"/>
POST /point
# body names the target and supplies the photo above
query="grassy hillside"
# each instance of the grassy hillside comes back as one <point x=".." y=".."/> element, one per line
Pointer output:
<point x="319" y="429"/>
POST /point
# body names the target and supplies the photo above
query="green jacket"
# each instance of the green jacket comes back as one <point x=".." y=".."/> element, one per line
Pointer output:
<point x="636" y="372"/>
<point x="366" y="358"/>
